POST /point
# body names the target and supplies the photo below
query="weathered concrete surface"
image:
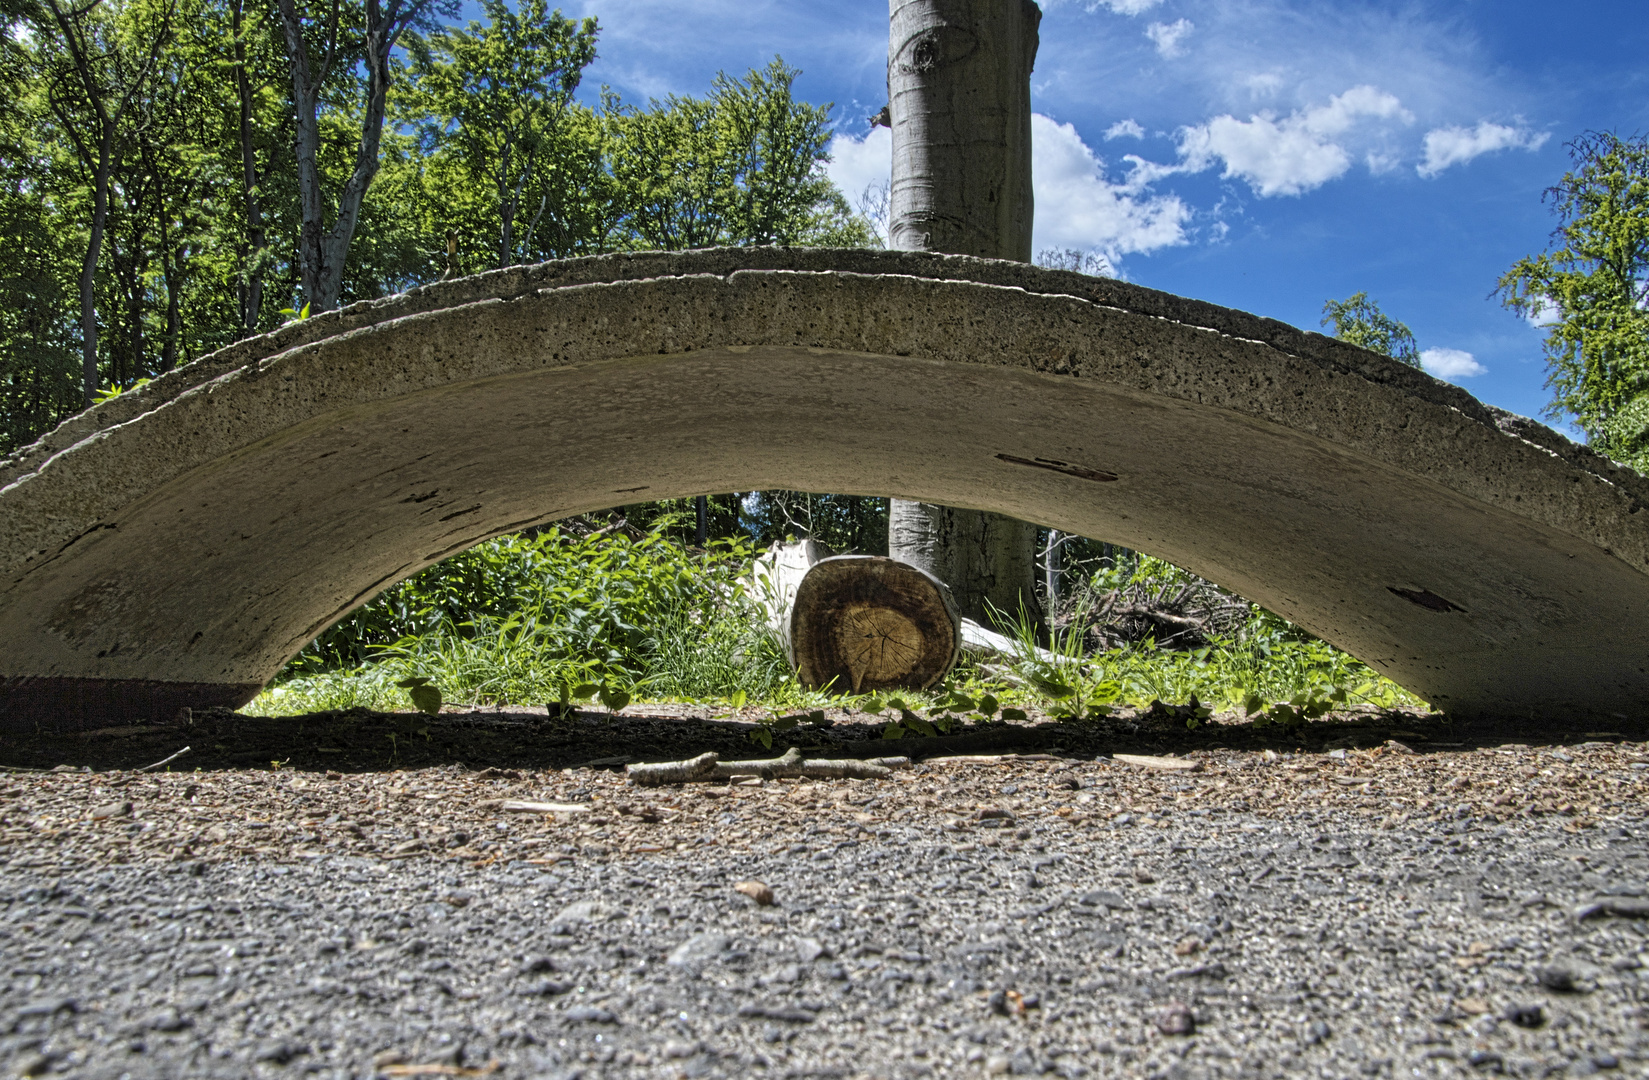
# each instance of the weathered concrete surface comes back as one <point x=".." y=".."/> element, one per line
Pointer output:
<point x="192" y="536"/>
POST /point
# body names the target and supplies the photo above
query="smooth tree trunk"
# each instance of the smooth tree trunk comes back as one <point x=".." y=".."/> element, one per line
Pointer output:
<point x="959" y="104"/>
<point x="322" y="250"/>
<point x="251" y="291"/>
<point x="101" y="160"/>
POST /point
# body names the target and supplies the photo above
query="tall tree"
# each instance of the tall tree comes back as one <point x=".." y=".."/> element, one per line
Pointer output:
<point x="743" y="166"/>
<point x="959" y="101"/>
<point x="498" y="94"/>
<point x="1590" y="289"/>
<point x="1360" y="321"/>
<point x="102" y="69"/>
<point x="323" y="52"/>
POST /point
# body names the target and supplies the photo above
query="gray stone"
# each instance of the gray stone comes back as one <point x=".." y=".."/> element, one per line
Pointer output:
<point x="699" y="949"/>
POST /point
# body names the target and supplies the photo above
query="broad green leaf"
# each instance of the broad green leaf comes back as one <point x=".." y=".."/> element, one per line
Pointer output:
<point x="426" y="697"/>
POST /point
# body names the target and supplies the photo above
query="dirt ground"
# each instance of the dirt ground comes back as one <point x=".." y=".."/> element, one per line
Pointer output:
<point x="1374" y="894"/>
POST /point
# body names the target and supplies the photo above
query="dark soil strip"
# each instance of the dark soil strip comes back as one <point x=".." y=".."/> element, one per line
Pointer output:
<point x="359" y="740"/>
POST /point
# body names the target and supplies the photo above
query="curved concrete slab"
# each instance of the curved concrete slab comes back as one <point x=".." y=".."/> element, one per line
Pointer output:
<point x="177" y="545"/>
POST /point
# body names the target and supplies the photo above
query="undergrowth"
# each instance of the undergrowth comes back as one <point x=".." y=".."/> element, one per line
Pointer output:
<point x="554" y="619"/>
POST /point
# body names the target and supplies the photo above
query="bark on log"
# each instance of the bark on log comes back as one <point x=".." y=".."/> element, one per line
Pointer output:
<point x="863" y="623"/>
<point x="959" y="105"/>
<point x="779" y="573"/>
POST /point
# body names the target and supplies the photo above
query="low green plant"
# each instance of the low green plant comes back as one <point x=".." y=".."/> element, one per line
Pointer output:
<point x="559" y="620"/>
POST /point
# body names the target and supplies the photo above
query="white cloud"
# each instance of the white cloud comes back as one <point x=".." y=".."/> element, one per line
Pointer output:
<point x="1077" y="207"/>
<point x="1451" y="364"/>
<point x="1167" y="36"/>
<point x="1290" y="155"/>
<point x="1544" y="313"/>
<point x="1457" y="145"/>
<point x="1124" y="129"/>
<point x="857" y="164"/>
<point x="1125" y="7"/>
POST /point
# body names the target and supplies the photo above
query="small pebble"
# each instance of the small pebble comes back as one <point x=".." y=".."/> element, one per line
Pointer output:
<point x="1176" y="1019"/>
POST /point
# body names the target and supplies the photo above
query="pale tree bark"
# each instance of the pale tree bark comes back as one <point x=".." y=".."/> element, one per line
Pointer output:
<point x="109" y="94"/>
<point x="959" y="102"/>
<point x="322" y="250"/>
<point x="253" y="263"/>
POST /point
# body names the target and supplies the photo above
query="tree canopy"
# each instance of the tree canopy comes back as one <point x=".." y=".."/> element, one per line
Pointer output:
<point x="1590" y="290"/>
<point x="1359" y="320"/>
<point x="179" y="174"/>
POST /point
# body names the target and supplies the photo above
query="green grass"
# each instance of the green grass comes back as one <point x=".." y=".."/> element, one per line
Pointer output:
<point x="644" y="620"/>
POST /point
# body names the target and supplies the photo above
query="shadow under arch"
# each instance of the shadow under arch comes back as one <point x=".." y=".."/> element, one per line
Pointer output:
<point x="177" y="545"/>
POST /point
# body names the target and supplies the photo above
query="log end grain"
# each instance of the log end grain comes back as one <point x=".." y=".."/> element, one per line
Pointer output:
<point x="864" y="623"/>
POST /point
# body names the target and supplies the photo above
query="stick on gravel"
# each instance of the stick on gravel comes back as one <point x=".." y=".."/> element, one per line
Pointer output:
<point x="518" y="806"/>
<point x="709" y="766"/>
<point x="165" y="761"/>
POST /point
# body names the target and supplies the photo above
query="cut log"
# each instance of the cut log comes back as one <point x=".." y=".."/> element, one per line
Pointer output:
<point x="779" y="574"/>
<point x="865" y="623"/>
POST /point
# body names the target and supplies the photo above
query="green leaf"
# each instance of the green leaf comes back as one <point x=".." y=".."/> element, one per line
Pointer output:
<point x="614" y="698"/>
<point x="1013" y="714"/>
<point x="893" y="731"/>
<point x="738" y="699"/>
<point x="762" y="737"/>
<point x="426" y="697"/>
<point x="1054" y="688"/>
<point x="784" y="723"/>
<point x="416" y="680"/>
<point x="585" y="691"/>
<point x="987" y="704"/>
<point x="916" y="723"/>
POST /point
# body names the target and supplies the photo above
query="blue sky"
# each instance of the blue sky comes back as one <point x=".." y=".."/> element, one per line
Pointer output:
<point x="1254" y="153"/>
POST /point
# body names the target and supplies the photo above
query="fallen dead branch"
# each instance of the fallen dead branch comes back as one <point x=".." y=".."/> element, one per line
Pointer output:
<point x="521" y="806"/>
<point x="165" y="761"/>
<point x="709" y="766"/>
<point x="1165" y="764"/>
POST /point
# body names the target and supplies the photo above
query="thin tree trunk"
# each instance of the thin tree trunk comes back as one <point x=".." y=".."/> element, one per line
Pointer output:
<point x="322" y="251"/>
<point x="88" y="272"/>
<point x="960" y="109"/>
<point x="108" y="129"/>
<point x="251" y="297"/>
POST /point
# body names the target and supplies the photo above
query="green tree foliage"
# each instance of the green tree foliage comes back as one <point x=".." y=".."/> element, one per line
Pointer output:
<point x="1360" y="321"/>
<point x="1591" y="289"/>
<point x="496" y="105"/>
<point x="175" y="173"/>
<point x="742" y="166"/>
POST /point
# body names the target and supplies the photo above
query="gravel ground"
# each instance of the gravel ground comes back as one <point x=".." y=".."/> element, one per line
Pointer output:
<point x="1362" y="912"/>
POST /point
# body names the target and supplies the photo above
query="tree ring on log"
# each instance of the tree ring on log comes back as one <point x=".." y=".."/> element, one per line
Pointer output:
<point x="864" y="623"/>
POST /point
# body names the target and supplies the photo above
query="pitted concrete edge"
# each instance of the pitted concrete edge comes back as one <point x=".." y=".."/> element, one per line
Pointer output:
<point x="521" y="280"/>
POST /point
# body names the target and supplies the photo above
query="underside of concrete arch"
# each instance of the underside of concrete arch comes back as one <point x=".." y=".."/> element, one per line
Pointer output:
<point x="177" y="545"/>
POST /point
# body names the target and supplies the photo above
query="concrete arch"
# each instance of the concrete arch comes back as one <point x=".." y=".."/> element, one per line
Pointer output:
<point x="177" y="545"/>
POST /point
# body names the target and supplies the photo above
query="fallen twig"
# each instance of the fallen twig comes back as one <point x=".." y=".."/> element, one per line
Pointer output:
<point x="165" y="761"/>
<point x="1165" y="764"/>
<point x="989" y="759"/>
<point x="709" y="766"/>
<point x="519" y="806"/>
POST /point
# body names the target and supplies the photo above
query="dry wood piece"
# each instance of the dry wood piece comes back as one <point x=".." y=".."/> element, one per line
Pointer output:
<point x="861" y="623"/>
<point x="758" y="891"/>
<point x="709" y="766"/>
<point x="165" y="760"/>
<point x="1167" y="764"/>
<point x="989" y="759"/>
<point x="519" y="806"/>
